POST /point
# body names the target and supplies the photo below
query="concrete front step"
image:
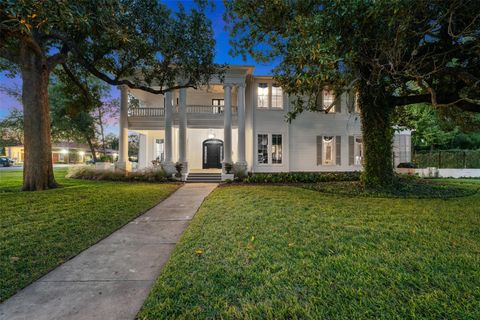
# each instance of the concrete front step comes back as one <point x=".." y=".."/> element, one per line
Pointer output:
<point x="204" y="177"/>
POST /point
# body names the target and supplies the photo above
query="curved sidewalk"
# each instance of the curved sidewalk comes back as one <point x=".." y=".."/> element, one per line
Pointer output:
<point x="111" y="279"/>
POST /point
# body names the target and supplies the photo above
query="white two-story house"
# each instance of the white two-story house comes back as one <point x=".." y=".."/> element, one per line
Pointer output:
<point x="242" y="120"/>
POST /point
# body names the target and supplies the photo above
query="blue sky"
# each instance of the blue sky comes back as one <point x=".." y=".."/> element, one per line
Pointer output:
<point x="222" y="56"/>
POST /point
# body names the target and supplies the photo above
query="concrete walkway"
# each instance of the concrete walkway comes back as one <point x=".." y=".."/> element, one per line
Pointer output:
<point x="111" y="279"/>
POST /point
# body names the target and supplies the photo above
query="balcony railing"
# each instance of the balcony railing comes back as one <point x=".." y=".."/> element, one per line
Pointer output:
<point x="160" y="112"/>
<point x="146" y="112"/>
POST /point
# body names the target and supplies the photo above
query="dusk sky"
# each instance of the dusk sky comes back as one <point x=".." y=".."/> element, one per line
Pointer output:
<point x="222" y="47"/>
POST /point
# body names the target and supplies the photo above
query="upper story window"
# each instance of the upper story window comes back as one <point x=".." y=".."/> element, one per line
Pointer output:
<point x="269" y="96"/>
<point x="218" y="105"/>
<point x="328" y="97"/>
<point x="218" y="102"/>
<point x="277" y="97"/>
<point x="262" y="95"/>
<point x="357" y="102"/>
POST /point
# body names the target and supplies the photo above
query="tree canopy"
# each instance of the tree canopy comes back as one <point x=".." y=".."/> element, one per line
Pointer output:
<point x="392" y="53"/>
<point x="139" y="43"/>
<point x="142" y="44"/>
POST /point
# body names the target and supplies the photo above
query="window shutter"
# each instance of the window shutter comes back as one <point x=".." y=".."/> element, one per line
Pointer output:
<point x="338" y="104"/>
<point x="319" y="150"/>
<point x="338" y="146"/>
<point x="351" y="150"/>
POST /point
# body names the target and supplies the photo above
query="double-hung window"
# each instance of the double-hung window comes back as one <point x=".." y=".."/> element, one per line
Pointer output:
<point x="262" y="149"/>
<point x="159" y="150"/>
<point x="218" y="105"/>
<point x="269" y="96"/>
<point x="358" y="149"/>
<point x="269" y="148"/>
<point x="277" y="97"/>
<point x="276" y="148"/>
<point x="328" y="97"/>
<point x="262" y="95"/>
<point x="328" y="150"/>
<point x="357" y="102"/>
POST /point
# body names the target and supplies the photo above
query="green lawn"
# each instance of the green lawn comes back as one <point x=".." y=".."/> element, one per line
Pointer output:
<point x="281" y="252"/>
<point x="40" y="230"/>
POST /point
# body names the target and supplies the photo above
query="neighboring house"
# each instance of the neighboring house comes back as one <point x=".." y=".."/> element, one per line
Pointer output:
<point x="64" y="152"/>
<point x="242" y="120"/>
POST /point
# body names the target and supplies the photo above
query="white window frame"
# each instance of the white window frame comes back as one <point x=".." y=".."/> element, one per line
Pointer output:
<point x="358" y="151"/>
<point x="159" y="144"/>
<point x="256" y="148"/>
<point x="324" y="105"/>
<point x="281" y="149"/>
<point x="333" y="151"/>
<point x="278" y="98"/>
<point x="269" y="149"/>
<point x="266" y="104"/>
<point x="355" y="102"/>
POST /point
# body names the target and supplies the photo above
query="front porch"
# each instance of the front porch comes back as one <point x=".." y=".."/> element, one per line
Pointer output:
<point x="182" y="127"/>
<point x="201" y="155"/>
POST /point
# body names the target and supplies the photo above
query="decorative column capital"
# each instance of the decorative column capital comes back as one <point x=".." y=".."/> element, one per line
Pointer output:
<point x="241" y="85"/>
<point x="227" y="85"/>
<point x="123" y="87"/>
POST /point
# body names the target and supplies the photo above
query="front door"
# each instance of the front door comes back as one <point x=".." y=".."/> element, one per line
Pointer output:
<point x="212" y="153"/>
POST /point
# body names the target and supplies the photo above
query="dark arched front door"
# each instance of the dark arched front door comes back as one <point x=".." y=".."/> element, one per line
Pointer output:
<point x="212" y="153"/>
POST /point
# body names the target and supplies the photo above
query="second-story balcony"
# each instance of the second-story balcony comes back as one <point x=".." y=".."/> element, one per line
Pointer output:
<point x="202" y="116"/>
<point x="195" y="109"/>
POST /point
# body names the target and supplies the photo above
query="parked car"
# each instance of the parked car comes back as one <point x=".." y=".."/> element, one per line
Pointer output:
<point x="6" y="162"/>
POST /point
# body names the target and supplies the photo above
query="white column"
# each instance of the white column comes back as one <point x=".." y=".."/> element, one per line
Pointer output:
<point x="123" y="134"/>
<point x="241" y="123"/>
<point x="227" y="128"/>
<point x="167" y="164"/>
<point x="182" y="126"/>
<point x="168" y="127"/>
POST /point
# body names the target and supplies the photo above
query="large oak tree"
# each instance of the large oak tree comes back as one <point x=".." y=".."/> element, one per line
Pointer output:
<point x="393" y="53"/>
<point x="139" y="43"/>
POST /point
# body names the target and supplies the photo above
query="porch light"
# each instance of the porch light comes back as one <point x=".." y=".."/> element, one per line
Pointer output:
<point x="64" y="151"/>
<point x="81" y="153"/>
<point x="115" y="154"/>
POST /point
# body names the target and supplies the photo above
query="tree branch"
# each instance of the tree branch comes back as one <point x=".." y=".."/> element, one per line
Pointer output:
<point x="77" y="82"/>
<point x="116" y="82"/>
<point x="441" y="101"/>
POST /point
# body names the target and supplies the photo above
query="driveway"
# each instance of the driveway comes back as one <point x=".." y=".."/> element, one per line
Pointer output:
<point x="20" y="168"/>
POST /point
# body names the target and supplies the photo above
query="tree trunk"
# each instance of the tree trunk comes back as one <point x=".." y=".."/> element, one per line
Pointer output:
<point x="38" y="168"/>
<point x="377" y="134"/>
<point x="102" y="133"/>
<point x="92" y="149"/>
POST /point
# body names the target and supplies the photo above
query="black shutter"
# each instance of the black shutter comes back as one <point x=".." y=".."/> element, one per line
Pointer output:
<point x="319" y="150"/>
<point x="338" y="150"/>
<point x="351" y="150"/>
